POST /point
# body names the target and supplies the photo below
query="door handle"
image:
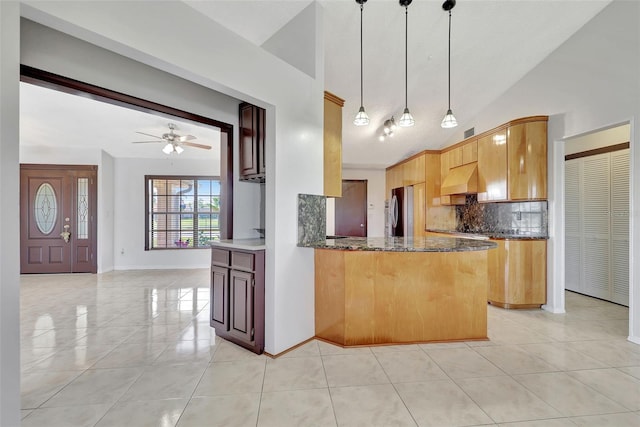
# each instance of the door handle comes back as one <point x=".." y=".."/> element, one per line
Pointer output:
<point x="361" y="225"/>
<point x="65" y="234"/>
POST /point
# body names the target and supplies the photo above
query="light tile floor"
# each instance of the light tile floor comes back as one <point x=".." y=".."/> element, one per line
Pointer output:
<point x="135" y="349"/>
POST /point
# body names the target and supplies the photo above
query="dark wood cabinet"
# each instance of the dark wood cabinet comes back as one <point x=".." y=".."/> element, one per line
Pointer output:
<point x="241" y="300"/>
<point x="251" y="144"/>
<point x="219" y="297"/>
<point x="237" y="296"/>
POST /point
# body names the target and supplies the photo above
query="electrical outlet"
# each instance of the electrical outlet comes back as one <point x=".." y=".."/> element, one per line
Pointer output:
<point x="122" y="251"/>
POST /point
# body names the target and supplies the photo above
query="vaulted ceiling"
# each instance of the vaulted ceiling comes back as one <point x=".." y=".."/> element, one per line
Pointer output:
<point x="494" y="44"/>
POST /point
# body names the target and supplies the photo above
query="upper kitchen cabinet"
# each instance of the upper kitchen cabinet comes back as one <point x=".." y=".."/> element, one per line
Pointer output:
<point x="455" y="157"/>
<point x="470" y="152"/>
<point x="394" y="176"/>
<point x="492" y="167"/>
<point x="413" y="170"/>
<point x="251" y="144"/>
<point x="527" y="150"/>
<point x="332" y="145"/>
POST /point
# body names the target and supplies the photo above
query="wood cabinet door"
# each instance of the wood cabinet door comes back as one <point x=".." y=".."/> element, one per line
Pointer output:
<point x="219" y="310"/>
<point x="455" y="157"/>
<point x="492" y="167"/>
<point x="241" y="305"/>
<point x="444" y="170"/>
<point x="526" y="266"/>
<point x="470" y="152"/>
<point x="419" y="209"/>
<point x="527" y="150"/>
<point x="332" y="145"/>
<point x="248" y="140"/>
<point x="497" y="264"/>
<point x="413" y="171"/>
<point x="262" y="162"/>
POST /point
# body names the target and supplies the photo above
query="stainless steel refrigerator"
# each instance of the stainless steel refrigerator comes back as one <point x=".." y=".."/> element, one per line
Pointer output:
<point x="400" y="217"/>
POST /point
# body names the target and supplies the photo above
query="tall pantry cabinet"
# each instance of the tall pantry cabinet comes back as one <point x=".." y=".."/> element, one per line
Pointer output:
<point x="597" y="225"/>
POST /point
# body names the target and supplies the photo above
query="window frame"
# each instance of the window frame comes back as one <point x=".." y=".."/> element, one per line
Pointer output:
<point x="148" y="211"/>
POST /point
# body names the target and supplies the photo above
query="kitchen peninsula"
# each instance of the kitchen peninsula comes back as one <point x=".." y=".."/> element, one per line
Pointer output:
<point x="400" y="290"/>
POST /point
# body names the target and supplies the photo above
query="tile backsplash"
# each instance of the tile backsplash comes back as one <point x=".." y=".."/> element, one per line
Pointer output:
<point x="528" y="218"/>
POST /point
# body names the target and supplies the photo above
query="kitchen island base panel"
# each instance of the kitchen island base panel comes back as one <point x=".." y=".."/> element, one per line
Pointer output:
<point x="371" y="297"/>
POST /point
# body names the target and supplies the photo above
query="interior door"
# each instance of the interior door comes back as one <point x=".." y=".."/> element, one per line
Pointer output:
<point x="58" y="219"/>
<point x="351" y="209"/>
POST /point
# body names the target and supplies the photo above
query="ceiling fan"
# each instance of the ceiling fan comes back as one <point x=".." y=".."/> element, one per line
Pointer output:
<point x="174" y="142"/>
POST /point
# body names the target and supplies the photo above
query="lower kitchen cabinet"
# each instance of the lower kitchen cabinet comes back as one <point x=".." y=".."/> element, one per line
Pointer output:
<point x="237" y="296"/>
<point x="518" y="273"/>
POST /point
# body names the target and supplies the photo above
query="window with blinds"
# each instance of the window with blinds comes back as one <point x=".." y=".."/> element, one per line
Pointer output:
<point x="182" y="212"/>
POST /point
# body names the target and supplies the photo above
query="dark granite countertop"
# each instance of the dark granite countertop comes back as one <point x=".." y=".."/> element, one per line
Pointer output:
<point x="402" y="244"/>
<point x="497" y="235"/>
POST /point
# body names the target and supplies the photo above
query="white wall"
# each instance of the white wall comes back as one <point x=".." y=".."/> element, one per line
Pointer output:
<point x="130" y="214"/>
<point x="9" y="216"/>
<point x="209" y="54"/>
<point x="589" y="83"/>
<point x="106" y="213"/>
<point x="591" y="141"/>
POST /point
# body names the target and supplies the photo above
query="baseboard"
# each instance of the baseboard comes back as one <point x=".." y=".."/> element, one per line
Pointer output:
<point x="635" y="340"/>
<point x="553" y="309"/>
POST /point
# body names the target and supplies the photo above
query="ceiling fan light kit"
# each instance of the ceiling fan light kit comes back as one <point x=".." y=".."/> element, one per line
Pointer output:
<point x="449" y="120"/>
<point x="173" y="142"/>
<point x="361" y="119"/>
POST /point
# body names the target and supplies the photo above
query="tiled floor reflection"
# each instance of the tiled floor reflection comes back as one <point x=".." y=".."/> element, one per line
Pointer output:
<point x="135" y="349"/>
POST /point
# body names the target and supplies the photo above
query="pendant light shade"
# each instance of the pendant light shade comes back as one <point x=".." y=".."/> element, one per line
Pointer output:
<point x="406" y="119"/>
<point x="361" y="118"/>
<point x="449" y="121"/>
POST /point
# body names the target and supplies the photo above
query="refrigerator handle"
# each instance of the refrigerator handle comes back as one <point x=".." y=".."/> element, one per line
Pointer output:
<point x="394" y="203"/>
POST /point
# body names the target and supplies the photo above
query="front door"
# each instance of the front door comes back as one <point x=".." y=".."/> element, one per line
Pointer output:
<point x="58" y="219"/>
<point x="351" y="209"/>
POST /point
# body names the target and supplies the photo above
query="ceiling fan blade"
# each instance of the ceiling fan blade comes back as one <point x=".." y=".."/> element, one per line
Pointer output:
<point x="186" y="138"/>
<point x="193" y="144"/>
<point x="143" y="142"/>
<point x="147" y="134"/>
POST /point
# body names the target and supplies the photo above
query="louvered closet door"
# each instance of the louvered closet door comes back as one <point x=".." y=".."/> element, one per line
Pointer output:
<point x="620" y="227"/>
<point x="596" y="202"/>
<point x="573" y="225"/>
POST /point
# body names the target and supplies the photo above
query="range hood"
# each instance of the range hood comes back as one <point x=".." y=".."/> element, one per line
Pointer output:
<point x="461" y="180"/>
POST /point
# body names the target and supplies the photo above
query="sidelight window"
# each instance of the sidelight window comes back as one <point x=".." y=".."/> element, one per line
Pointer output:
<point x="182" y="211"/>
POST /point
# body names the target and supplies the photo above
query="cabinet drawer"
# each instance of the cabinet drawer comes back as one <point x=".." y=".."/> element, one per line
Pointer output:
<point x="220" y="257"/>
<point x="242" y="261"/>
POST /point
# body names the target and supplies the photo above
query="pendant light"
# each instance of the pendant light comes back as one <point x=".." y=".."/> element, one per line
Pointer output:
<point x="406" y="119"/>
<point x="449" y="121"/>
<point x="361" y="118"/>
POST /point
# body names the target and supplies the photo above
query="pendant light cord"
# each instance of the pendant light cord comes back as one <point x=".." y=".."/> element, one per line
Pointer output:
<point x="361" y="84"/>
<point x="449" y="66"/>
<point x="406" y="52"/>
